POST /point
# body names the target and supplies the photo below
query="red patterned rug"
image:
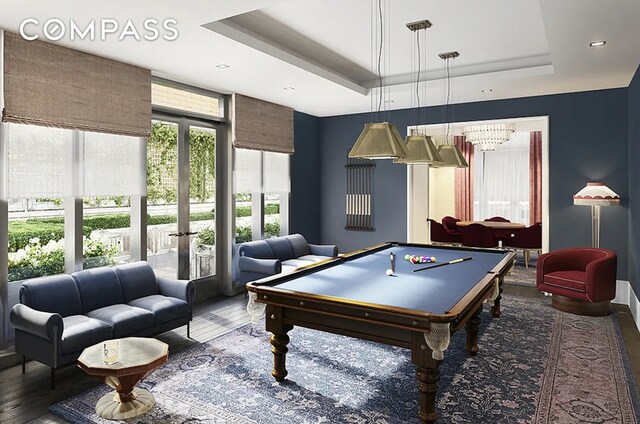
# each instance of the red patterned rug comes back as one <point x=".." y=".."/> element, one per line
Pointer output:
<point x="585" y="378"/>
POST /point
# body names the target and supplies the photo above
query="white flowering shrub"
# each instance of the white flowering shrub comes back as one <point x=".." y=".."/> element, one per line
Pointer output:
<point x="37" y="260"/>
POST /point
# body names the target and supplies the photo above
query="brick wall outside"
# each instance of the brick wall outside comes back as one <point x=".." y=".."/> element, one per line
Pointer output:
<point x="174" y="98"/>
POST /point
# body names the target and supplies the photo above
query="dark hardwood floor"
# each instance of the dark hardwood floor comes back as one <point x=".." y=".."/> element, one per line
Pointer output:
<point x="26" y="398"/>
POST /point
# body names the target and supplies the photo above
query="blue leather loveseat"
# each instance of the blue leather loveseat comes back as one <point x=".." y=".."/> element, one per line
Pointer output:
<point x="262" y="258"/>
<point x="59" y="316"/>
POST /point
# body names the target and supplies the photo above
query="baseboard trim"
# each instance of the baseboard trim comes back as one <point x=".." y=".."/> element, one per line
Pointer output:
<point x="626" y="296"/>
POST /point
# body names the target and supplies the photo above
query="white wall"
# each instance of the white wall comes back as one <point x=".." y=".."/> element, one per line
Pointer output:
<point x="441" y="193"/>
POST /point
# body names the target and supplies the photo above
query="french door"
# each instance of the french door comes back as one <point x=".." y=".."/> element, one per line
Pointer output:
<point x="181" y="198"/>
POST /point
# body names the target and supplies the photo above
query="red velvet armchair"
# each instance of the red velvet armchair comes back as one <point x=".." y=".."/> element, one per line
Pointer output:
<point x="527" y="239"/>
<point x="582" y="280"/>
<point x="439" y="234"/>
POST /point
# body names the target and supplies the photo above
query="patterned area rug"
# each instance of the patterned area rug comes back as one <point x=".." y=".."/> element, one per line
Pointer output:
<point x="521" y="275"/>
<point x="535" y="365"/>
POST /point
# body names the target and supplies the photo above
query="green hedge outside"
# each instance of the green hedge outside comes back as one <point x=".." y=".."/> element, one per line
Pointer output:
<point x="243" y="234"/>
<point x="20" y="232"/>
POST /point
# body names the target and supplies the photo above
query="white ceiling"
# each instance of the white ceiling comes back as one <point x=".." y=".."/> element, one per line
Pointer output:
<point x="322" y="48"/>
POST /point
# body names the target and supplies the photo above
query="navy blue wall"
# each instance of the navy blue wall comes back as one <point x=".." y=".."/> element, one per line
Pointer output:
<point x="305" y="181"/>
<point x="588" y="141"/>
<point x="634" y="182"/>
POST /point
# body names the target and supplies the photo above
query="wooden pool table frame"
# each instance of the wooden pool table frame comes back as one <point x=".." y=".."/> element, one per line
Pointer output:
<point x="389" y="325"/>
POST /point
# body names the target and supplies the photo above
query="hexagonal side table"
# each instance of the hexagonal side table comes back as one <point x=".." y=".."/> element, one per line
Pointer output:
<point x="137" y="357"/>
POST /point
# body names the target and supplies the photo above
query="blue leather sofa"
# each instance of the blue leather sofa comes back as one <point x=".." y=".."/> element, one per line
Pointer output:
<point x="59" y="316"/>
<point x="262" y="258"/>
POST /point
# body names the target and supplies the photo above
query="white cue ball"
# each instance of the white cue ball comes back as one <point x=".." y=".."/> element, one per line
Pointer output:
<point x="389" y="272"/>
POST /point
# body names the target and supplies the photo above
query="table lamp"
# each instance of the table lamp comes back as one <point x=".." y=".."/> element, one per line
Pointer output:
<point x="596" y="195"/>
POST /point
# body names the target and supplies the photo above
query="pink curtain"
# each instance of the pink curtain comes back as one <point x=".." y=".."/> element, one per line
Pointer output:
<point x="464" y="182"/>
<point x="535" y="177"/>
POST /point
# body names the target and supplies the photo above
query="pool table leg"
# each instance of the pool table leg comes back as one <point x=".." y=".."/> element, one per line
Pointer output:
<point x="495" y="308"/>
<point x="428" y="377"/>
<point x="279" y="349"/>
<point x="471" y="327"/>
<point x="279" y="341"/>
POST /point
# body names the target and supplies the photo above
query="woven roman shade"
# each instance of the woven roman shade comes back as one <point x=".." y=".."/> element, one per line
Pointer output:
<point x="50" y="85"/>
<point x="260" y="125"/>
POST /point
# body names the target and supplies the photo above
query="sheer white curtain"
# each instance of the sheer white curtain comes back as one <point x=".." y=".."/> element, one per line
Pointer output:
<point x="41" y="164"/>
<point x="501" y="180"/>
<point x="261" y="172"/>
<point x="113" y="165"/>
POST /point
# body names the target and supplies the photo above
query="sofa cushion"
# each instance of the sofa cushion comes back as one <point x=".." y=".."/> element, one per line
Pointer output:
<point x="286" y="269"/>
<point x="164" y="308"/>
<point x="99" y="287"/>
<point x="55" y="294"/>
<point x="256" y="249"/>
<point x="315" y="258"/>
<point x="281" y="248"/>
<point x="81" y="331"/>
<point x="297" y="263"/>
<point x="574" y="280"/>
<point x="137" y="280"/>
<point x="124" y="319"/>
<point x="298" y="244"/>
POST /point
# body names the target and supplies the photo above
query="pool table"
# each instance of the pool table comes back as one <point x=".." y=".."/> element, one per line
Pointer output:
<point x="353" y="296"/>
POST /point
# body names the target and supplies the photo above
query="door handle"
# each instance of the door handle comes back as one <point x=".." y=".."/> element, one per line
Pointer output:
<point x="181" y="234"/>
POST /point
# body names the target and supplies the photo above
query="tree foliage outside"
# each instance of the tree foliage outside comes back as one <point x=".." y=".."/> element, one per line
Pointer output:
<point x="162" y="162"/>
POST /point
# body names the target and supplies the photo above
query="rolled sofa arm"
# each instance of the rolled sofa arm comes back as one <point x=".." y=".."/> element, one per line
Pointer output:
<point x="262" y="266"/>
<point x="324" y="250"/>
<point x="180" y="289"/>
<point x="46" y="325"/>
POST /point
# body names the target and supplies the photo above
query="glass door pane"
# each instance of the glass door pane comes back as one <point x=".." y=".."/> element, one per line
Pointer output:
<point x="162" y="198"/>
<point x="202" y="207"/>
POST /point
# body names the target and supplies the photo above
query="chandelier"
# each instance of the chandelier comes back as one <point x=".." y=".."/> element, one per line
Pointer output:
<point x="487" y="137"/>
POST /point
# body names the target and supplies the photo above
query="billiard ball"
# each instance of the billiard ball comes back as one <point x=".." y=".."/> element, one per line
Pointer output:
<point x="389" y="272"/>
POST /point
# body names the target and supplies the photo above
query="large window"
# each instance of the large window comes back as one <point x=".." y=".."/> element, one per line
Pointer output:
<point x="501" y="180"/>
<point x="261" y="187"/>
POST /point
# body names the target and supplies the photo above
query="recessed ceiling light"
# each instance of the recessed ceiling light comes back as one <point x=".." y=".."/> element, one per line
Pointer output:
<point x="289" y="88"/>
<point x="222" y="66"/>
<point x="597" y="43"/>
<point x="487" y="90"/>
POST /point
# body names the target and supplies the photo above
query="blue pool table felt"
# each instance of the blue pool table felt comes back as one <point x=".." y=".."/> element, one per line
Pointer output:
<point x="433" y="290"/>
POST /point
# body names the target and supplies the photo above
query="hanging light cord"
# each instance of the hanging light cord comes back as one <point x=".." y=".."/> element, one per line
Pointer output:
<point x="380" y="94"/>
<point x="448" y="112"/>
<point x="418" y="76"/>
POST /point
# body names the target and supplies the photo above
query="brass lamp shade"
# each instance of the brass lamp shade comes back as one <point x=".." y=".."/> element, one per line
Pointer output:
<point x="421" y="151"/>
<point x="379" y="141"/>
<point x="451" y="157"/>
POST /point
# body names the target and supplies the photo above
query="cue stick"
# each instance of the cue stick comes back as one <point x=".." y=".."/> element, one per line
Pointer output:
<point x="455" y="261"/>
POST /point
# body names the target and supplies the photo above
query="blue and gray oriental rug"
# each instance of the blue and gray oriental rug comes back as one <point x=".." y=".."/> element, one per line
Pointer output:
<point x="536" y="365"/>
